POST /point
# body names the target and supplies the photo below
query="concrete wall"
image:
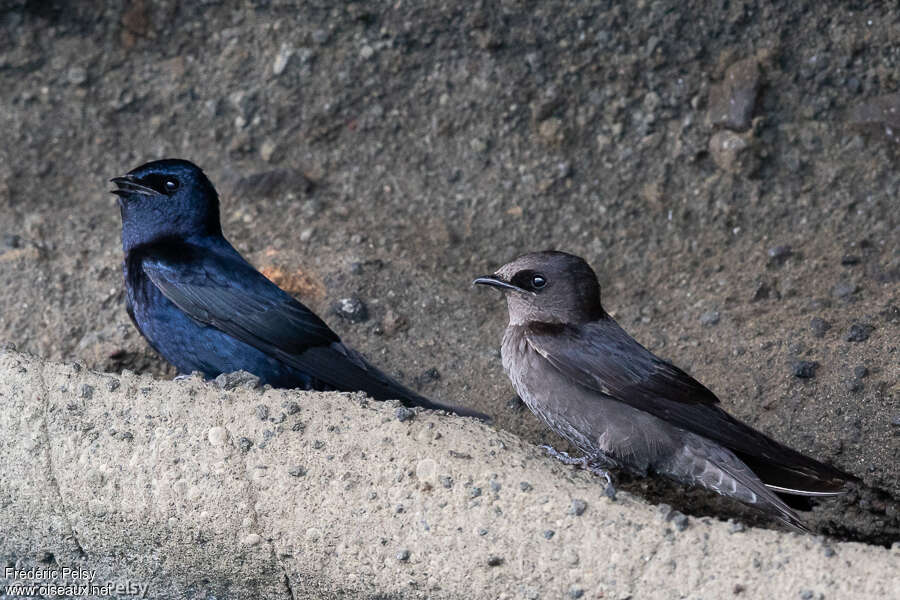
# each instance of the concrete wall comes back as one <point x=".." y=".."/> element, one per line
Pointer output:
<point x="195" y="490"/>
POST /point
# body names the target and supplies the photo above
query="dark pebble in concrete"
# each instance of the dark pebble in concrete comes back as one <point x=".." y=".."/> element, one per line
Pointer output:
<point x="577" y="507"/>
<point x="859" y="332"/>
<point x="525" y="486"/>
<point x="404" y="414"/>
<point x="262" y="412"/>
<point x="446" y="481"/>
<point x="819" y="326"/>
<point x="229" y="381"/>
<point x="245" y="444"/>
<point x="680" y="521"/>
<point x="805" y="369"/>
<point x="849" y="259"/>
<point x="403" y="555"/>
<point x="494" y="561"/>
<point x="351" y="309"/>
<point x="292" y="408"/>
<point x="860" y="371"/>
<point x="475" y="492"/>
<point x="549" y="534"/>
<point x="87" y="392"/>
<point x="297" y="471"/>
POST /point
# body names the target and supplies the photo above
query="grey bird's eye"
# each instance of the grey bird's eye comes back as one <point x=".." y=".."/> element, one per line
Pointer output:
<point x="171" y="184"/>
<point x="538" y="281"/>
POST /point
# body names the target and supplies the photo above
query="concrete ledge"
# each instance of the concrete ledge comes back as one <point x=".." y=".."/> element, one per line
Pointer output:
<point x="197" y="491"/>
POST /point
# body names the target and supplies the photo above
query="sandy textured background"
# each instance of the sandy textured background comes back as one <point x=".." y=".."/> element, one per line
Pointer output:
<point x="393" y="151"/>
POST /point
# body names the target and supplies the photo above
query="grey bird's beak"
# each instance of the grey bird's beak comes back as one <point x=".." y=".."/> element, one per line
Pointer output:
<point x="494" y="281"/>
<point x="128" y="185"/>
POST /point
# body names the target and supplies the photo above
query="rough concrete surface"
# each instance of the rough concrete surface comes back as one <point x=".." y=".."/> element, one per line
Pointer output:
<point x="198" y="491"/>
<point x="729" y="169"/>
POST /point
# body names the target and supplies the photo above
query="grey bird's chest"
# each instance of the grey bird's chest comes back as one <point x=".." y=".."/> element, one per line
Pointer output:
<point x="593" y="422"/>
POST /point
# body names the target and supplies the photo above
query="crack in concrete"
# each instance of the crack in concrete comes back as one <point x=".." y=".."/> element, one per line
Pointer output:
<point x="51" y="471"/>
<point x="253" y="497"/>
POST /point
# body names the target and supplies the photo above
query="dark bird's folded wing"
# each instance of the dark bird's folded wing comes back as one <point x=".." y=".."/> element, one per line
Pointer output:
<point x="602" y="357"/>
<point x="229" y="294"/>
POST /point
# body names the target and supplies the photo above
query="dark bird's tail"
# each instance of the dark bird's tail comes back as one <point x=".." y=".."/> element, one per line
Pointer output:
<point x="344" y="369"/>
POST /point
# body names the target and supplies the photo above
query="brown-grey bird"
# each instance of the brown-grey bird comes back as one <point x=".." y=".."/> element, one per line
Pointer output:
<point x="624" y="407"/>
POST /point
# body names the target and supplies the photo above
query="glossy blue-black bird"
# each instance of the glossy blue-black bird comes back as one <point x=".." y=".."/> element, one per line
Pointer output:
<point x="204" y="308"/>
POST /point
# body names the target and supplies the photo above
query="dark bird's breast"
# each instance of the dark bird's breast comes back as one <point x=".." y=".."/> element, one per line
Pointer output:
<point x="193" y="346"/>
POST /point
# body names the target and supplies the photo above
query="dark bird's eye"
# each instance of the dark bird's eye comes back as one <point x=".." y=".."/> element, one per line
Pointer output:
<point x="171" y="184"/>
<point x="538" y="281"/>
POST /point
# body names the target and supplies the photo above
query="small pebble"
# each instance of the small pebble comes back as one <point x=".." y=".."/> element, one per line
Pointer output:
<point x="351" y="309"/>
<point x="805" y="369"/>
<point x="780" y="253"/>
<point x="549" y="534"/>
<point x="401" y="413"/>
<point x="828" y="551"/>
<point x="844" y="289"/>
<point x="403" y="555"/>
<point x="680" y="521"/>
<point x="475" y="492"/>
<point x="577" y="507"/>
<point x="575" y="593"/>
<point x="525" y="486"/>
<point x="849" y="259"/>
<point x="859" y="332"/>
<point x="895" y="422"/>
<point x="262" y="412"/>
<point x="292" y="408"/>
<point x="482" y="532"/>
<point x="708" y="319"/>
<point x="229" y="381"/>
<point x="494" y="561"/>
<point x="112" y="384"/>
<point x="245" y="444"/>
<point x="297" y="471"/>
<point x="819" y="326"/>
<point x="87" y="392"/>
<point x="495" y="485"/>
<point x="446" y="481"/>
<point x="217" y="436"/>
<point x="860" y="371"/>
<point x="737" y="527"/>
<point x="318" y="445"/>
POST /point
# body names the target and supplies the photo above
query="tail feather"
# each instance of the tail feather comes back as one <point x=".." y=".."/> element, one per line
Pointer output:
<point x="707" y="464"/>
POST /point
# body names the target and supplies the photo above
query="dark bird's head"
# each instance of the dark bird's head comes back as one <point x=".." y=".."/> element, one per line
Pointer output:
<point x="548" y="287"/>
<point x="169" y="198"/>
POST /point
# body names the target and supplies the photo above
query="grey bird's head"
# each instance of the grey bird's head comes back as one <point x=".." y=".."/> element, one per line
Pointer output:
<point x="169" y="198"/>
<point x="548" y="287"/>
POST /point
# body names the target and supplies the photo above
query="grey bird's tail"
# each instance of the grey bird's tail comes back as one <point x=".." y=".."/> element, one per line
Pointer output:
<point x="709" y="465"/>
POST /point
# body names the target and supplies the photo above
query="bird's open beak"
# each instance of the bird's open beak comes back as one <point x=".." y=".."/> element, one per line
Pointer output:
<point x="128" y="185"/>
<point x="494" y="281"/>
